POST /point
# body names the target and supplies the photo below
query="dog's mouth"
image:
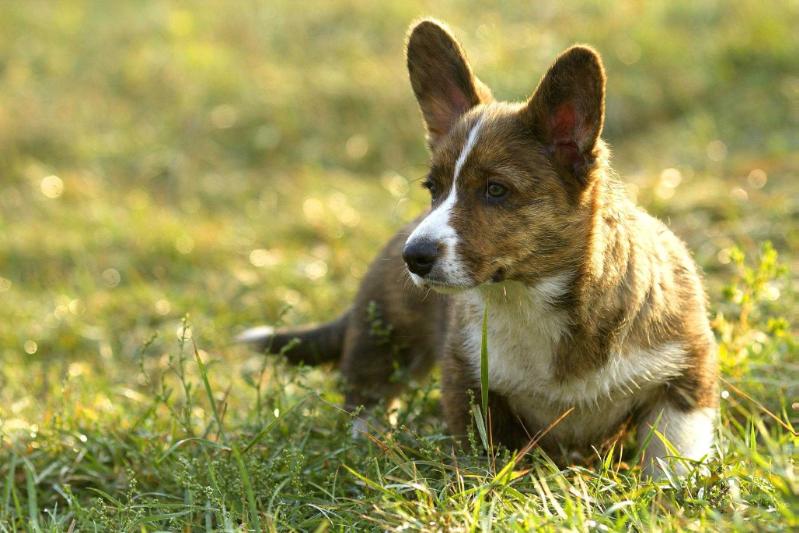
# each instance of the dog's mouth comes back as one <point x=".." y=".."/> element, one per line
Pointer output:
<point x="438" y="285"/>
<point x="444" y="287"/>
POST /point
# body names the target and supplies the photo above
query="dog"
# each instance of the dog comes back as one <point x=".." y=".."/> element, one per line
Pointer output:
<point x="596" y="315"/>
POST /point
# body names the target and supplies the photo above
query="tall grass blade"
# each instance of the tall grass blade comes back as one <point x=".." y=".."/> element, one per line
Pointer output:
<point x="484" y="366"/>
<point x="12" y="467"/>
<point x="480" y="422"/>
<point x="248" y="490"/>
<point x="33" y="504"/>
<point x="208" y="392"/>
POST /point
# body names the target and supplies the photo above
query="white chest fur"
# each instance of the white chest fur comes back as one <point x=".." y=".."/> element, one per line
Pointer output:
<point x="523" y="333"/>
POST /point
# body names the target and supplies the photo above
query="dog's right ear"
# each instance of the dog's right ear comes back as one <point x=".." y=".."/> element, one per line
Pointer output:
<point x="441" y="78"/>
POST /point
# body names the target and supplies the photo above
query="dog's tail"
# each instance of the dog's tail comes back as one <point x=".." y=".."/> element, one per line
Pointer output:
<point x="311" y="345"/>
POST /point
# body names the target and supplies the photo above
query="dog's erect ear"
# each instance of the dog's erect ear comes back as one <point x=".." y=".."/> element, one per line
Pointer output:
<point x="568" y="108"/>
<point x="441" y="78"/>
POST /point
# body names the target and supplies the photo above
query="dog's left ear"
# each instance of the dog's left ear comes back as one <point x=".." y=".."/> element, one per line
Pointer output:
<point x="567" y="110"/>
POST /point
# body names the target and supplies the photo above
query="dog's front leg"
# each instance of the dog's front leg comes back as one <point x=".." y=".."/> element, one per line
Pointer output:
<point x="459" y="390"/>
<point x="685" y="437"/>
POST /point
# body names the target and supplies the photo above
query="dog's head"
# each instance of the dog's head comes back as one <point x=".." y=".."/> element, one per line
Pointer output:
<point x="509" y="182"/>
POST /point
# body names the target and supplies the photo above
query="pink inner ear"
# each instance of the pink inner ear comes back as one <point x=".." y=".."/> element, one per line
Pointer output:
<point x="460" y="104"/>
<point x="564" y="128"/>
<point x="445" y="112"/>
<point x="563" y="124"/>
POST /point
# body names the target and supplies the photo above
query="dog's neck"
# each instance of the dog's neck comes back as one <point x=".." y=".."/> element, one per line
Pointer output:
<point x="608" y="256"/>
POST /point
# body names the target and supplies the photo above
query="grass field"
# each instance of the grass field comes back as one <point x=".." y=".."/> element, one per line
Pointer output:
<point x="171" y="172"/>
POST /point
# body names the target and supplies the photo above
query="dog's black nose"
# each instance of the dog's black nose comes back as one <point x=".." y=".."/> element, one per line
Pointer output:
<point x="420" y="256"/>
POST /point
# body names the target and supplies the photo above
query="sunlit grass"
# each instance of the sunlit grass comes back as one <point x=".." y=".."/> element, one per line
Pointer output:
<point x="173" y="173"/>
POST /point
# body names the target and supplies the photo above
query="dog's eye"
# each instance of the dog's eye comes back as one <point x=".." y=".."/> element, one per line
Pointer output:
<point x="430" y="185"/>
<point x="495" y="191"/>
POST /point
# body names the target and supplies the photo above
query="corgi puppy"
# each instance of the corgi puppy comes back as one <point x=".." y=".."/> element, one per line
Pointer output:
<point x="596" y="314"/>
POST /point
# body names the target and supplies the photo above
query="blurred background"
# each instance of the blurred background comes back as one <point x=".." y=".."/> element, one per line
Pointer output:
<point x="242" y="162"/>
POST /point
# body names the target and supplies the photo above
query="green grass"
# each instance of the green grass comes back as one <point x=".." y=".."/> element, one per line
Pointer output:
<point x="172" y="172"/>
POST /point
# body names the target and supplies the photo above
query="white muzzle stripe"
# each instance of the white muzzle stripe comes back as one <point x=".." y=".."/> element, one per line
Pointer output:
<point x="436" y="226"/>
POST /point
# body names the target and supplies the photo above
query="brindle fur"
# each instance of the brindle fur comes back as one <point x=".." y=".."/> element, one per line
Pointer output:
<point x="632" y="281"/>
